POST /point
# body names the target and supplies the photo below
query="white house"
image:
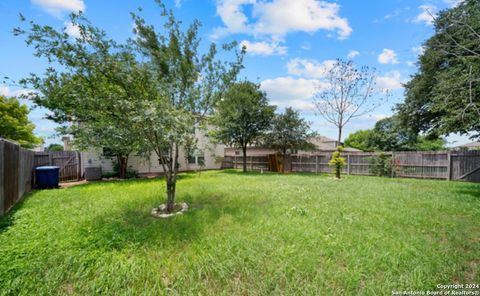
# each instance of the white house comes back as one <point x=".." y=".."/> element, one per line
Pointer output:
<point x="208" y="153"/>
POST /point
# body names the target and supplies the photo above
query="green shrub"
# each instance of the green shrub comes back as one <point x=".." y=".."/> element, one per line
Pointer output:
<point x="381" y="165"/>
<point x="337" y="162"/>
<point x="130" y="173"/>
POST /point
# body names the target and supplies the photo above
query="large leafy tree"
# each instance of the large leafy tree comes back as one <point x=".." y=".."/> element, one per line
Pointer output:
<point x="83" y="94"/>
<point x="444" y="96"/>
<point x="242" y="117"/>
<point x="348" y="92"/>
<point x="289" y="132"/>
<point x="14" y="123"/>
<point x="146" y="94"/>
<point x="389" y="135"/>
<point x="361" y="139"/>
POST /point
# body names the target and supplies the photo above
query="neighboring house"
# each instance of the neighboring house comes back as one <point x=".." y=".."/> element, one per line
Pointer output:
<point x="322" y="144"/>
<point x="207" y="156"/>
<point x="469" y="146"/>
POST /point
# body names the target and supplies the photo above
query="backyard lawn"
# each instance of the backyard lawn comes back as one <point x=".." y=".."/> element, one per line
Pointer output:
<point x="253" y="234"/>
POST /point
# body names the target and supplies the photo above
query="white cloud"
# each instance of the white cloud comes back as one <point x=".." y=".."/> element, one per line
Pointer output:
<point x="410" y="63"/>
<point x="427" y="14"/>
<point x="306" y="46"/>
<point x="277" y="18"/>
<point x="7" y="92"/>
<point x="291" y="92"/>
<point x="72" y="30"/>
<point x="309" y="68"/>
<point x="58" y="7"/>
<point x="178" y="3"/>
<point x="418" y="50"/>
<point x="452" y="3"/>
<point x="388" y="56"/>
<point x="264" y="48"/>
<point x="353" y="54"/>
<point x="390" y="81"/>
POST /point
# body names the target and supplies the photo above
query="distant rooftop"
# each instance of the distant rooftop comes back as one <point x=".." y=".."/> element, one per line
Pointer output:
<point x="469" y="145"/>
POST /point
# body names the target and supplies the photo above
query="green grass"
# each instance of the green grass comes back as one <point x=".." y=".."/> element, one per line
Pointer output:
<point x="253" y="234"/>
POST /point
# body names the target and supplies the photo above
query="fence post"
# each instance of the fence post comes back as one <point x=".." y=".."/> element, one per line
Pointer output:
<point x="449" y="166"/>
<point x="235" y="161"/>
<point x="50" y="160"/>
<point x="348" y="164"/>
<point x="79" y="166"/>
<point x="2" y="191"/>
<point x="251" y="163"/>
<point x="316" y="164"/>
<point x="394" y="165"/>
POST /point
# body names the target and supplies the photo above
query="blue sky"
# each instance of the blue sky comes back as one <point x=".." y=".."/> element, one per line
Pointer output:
<point x="290" y="43"/>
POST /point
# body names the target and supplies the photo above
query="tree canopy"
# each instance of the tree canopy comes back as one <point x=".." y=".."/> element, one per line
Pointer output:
<point x="444" y="95"/>
<point x="242" y="117"/>
<point x="389" y="135"/>
<point x="144" y="95"/>
<point x="85" y="95"/>
<point x="289" y="132"/>
<point x="54" y="147"/>
<point x="14" y="123"/>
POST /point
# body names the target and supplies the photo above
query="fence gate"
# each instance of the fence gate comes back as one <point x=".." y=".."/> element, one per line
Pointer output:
<point x="465" y="166"/>
<point x="67" y="161"/>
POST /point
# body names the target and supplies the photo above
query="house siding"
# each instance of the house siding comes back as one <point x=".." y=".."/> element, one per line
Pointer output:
<point x="213" y="154"/>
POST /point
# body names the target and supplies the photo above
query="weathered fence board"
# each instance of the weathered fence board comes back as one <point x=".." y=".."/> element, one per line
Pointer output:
<point x="454" y="165"/>
<point x="16" y="166"/>
<point x="67" y="161"/>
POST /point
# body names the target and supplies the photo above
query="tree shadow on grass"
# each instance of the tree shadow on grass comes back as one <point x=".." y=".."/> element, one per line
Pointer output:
<point x="471" y="190"/>
<point x="136" y="227"/>
<point x="8" y="219"/>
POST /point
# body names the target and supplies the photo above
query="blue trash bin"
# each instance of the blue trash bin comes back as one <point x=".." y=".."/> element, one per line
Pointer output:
<point x="47" y="176"/>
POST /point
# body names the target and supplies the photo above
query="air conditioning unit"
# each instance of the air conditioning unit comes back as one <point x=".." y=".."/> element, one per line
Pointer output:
<point x="93" y="173"/>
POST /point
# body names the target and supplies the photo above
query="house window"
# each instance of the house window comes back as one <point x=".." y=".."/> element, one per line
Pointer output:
<point x="197" y="158"/>
<point x="192" y="159"/>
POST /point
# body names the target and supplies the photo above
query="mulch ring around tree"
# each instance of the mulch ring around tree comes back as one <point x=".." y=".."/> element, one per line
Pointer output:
<point x="161" y="210"/>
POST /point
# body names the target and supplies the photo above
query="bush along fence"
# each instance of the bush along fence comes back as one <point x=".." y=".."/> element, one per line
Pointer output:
<point x="447" y="165"/>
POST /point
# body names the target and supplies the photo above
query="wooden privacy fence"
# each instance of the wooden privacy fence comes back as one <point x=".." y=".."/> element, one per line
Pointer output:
<point x="16" y="166"/>
<point x="454" y="165"/>
<point x="68" y="162"/>
<point x="253" y="162"/>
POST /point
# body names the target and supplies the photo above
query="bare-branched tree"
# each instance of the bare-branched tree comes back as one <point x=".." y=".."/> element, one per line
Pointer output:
<point x="347" y="92"/>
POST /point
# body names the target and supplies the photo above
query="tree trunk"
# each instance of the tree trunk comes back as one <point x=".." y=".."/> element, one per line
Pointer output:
<point x="244" y="149"/>
<point x="339" y="136"/>
<point x="337" y="173"/>
<point x="171" y="177"/>
<point x="122" y="166"/>
<point x="171" y="186"/>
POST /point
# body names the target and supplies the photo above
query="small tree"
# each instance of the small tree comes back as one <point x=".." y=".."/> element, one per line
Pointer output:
<point x="54" y="147"/>
<point x="289" y="132"/>
<point x="177" y="87"/>
<point x="337" y="162"/>
<point x="350" y="94"/>
<point x="14" y="123"/>
<point x="242" y="117"/>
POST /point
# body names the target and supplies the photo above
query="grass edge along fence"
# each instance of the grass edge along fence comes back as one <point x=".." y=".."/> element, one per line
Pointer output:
<point x="447" y="165"/>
